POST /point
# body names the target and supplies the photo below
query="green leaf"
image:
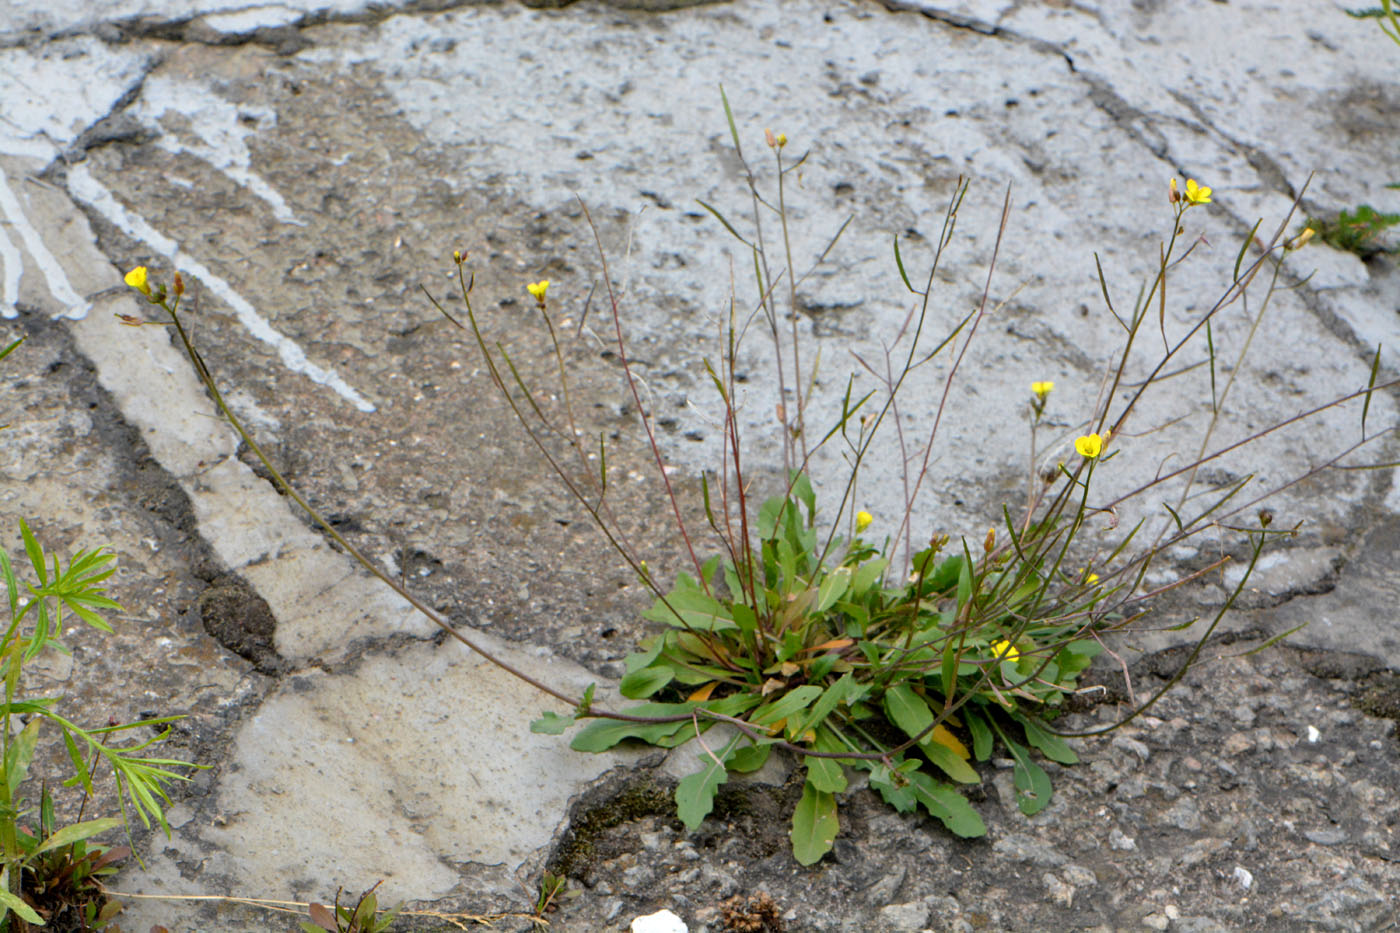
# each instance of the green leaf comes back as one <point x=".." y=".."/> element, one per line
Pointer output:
<point x="953" y="765"/>
<point x="833" y="586"/>
<point x="786" y="706"/>
<point x="814" y="825"/>
<point x="910" y="713"/>
<point x="551" y="724"/>
<point x="695" y="794"/>
<point x="1033" y="787"/>
<point x="964" y="583"/>
<point x="869" y="574"/>
<point x="1050" y="744"/>
<point x="907" y="710"/>
<point x="948" y="670"/>
<point x="21" y="753"/>
<point x="585" y="703"/>
<point x="651" y="650"/>
<point x="20" y="907"/>
<point x="944" y="803"/>
<point x="825" y="774"/>
<point x="71" y="834"/>
<point x="641" y="684"/>
<point x="720" y="217"/>
<point x="768" y="515"/>
<point x="981" y="734"/>
<point x="603" y="734"/>
<point x="365" y="911"/>
<point x="898" y="793"/>
<point x="35" y="553"/>
<point x="831" y="698"/>
<point x="899" y="263"/>
<point x="802" y="491"/>
<point x="11" y="584"/>
<point x="745" y="618"/>
<point x="749" y="758"/>
<point x="687" y="606"/>
<point x="946" y="575"/>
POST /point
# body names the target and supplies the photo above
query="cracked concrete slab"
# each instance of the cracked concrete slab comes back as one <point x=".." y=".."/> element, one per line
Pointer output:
<point x="309" y="164"/>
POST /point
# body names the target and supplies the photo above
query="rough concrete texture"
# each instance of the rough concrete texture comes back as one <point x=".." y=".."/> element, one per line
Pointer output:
<point x="310" y="164"/>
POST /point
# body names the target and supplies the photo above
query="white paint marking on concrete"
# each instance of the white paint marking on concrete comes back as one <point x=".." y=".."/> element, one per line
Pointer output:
<point x="90" y="191"/>
<point x="222" y="129"/>
<point x="10" y="265"/>
<point x="75" y="306"/>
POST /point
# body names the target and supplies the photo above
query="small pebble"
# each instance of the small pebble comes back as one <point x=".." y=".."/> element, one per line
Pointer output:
<point x="663" y="921"/>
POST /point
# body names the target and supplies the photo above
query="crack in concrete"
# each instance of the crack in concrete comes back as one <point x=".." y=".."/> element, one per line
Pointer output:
<point x="1264" y="166"/>
<point x="979" y="26"/>
<point x="287" y="38"/>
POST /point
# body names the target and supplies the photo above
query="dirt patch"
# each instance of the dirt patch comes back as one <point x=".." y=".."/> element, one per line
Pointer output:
<point x="240" y="620"/>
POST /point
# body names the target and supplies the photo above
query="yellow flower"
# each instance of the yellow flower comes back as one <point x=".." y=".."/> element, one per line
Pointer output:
<point x="1092" y="578"/>
<point x="1042" y="389"/>
<point x="136" y="278"/>
<point x="1196" y="194"/>
<point x="782" y="140"/>
<point x="1301" y="240"/>
<point x="538" y="289"/>
<point x="1003" y="650"/>
<point x="1090" y="446"/>
<point x="863" y="520"/>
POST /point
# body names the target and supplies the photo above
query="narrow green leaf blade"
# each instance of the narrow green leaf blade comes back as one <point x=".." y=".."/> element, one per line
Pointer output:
<point x="603" y="734"/>
<point x="1050" y="744"/>
<point x="814" y="825"/>
<point x="21" y="908"/>
<point x="944" y="803"/>
<point x="78" y="831"/>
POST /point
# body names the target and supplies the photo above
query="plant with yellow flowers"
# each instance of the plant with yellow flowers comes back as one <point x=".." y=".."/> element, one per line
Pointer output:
<point x="845" y="643"/>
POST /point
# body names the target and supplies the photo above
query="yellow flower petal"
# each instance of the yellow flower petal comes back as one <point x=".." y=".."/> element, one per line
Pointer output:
<point x="1042" y="389"/>
<point x="537" y="289"/>
<point x="136" y="278"/>
<point x="1197" y="194"/>
<point x="1090" y="446"/>
<point x="863" y="520"/>
<point x="1003" y="650"/>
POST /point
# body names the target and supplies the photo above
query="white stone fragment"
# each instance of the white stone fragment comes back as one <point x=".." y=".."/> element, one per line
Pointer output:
<point x="1313" y="735"/>
<point x="1243" y="877"/>
<point x="663" y="921"/>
